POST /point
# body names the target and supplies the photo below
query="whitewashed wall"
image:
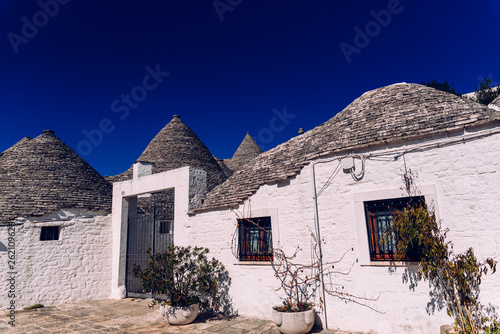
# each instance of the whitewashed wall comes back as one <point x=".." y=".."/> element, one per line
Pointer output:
<point x="463" y="180"/>
<point x="74" y="268"/>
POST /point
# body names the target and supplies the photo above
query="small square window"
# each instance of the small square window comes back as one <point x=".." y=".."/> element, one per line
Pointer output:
<point x="379" y="215"/>
<point x="164" y="227"/>
<point x="255" y="241"/>
<point x="49" y="233"/>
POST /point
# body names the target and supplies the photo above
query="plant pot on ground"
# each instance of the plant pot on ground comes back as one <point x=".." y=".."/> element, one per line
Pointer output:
<point x="184" y="280"/>
<point x="296" y="315"/>
<point x="180" y="315"/>
<point x="294" y="320"/>
<point x="300" y="282"/>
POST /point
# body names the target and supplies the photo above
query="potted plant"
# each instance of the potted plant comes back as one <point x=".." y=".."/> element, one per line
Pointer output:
<point x="296" y="315"/>
<point x="182" y="280"/>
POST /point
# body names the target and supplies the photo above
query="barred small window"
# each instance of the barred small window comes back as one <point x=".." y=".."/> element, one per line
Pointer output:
<point x="379" y="215"/>
<point x="164" y="227"/>
<point x="49" y="233"/>
<point x="255" y="241"/>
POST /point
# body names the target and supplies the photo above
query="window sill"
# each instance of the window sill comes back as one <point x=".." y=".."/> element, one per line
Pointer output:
<point x="253" y="263"/>
<point x="391" y="264"/>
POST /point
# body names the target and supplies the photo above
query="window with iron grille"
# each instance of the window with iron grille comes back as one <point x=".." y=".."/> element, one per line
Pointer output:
<point x="379" y="215"/>
<point x="49" y="233"/>
<point x="255" y="241"/>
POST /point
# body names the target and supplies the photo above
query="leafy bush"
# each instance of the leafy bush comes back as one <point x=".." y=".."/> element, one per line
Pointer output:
<point x="456" y="276"/>
<point x="445" y="87"/>
<point x="182" y="276"/>
<point x="485" y="94"/>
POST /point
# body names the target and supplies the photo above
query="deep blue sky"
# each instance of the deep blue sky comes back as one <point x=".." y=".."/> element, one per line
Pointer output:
<point x="226" y="76"/>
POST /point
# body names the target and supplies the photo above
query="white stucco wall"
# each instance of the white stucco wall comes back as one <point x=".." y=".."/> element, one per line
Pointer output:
<point x="189" y="185"/>
<point x="74" y="268"/>
<point x="463" y="182"/>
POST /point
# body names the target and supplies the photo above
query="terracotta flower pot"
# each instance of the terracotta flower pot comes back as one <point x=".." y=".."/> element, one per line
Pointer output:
<point x="294" y="322"/>
<point x="180" y="315"/>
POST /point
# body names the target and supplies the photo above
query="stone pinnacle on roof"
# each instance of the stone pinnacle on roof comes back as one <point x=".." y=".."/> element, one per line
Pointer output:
<point x="246" y="152"/>
<point x="43" y="175"/>
<point x="176" y="146"/>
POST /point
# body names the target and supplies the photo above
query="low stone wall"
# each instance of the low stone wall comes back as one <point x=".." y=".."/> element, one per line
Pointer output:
<point x="74" y="268"/>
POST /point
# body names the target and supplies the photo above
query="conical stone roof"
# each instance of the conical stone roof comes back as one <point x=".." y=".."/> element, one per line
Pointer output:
<point x="388" y="115"/>
<point x="246" y="152"/>
<point x="43" y="175"/>
<point x="175" y="146"/>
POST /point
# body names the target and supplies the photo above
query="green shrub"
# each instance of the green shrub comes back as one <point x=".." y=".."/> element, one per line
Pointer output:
<point x="456" y="276"/>
<point x="182" y="276"/>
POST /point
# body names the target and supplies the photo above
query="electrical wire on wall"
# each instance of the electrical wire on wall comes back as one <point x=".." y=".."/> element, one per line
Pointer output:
<point x="360" y="175"/>
<point x="319" y="254"/>
<point x="391" y="155"/>
<point x="330" y="179"/>
<point x="333" y="174"/>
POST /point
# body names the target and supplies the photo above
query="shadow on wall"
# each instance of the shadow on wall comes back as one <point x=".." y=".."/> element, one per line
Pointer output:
<point x="226" y="305"/>
<point x="3" y="248"/>
<point x="410" y="277"/>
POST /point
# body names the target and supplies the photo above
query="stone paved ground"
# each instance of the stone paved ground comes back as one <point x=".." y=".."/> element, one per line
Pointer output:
<point x="126" y="316"/>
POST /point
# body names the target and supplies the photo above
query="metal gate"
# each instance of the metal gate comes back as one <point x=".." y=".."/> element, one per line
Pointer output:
<point x="147" y="230"/>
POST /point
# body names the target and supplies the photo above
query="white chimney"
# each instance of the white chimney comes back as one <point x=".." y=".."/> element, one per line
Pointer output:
<point x="142" y="168"/>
